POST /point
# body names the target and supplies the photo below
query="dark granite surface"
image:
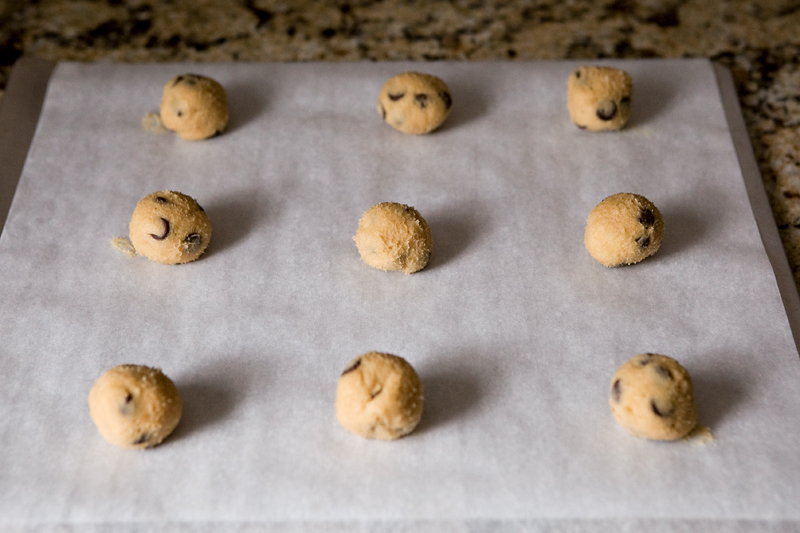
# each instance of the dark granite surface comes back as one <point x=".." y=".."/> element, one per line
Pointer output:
<point x="759" y="40"/>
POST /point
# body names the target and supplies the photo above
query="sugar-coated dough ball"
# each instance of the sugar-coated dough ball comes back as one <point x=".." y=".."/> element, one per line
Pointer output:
<point x="379" y="396"/>
<point x="651" y="396"/>
<point x="394" y="236"/>
<point x="599" y="98"/>
<point x="623" y="229"/>
<point x="414" y="103"/>
<point x="169" y="227"/>
<point x="135" y="406"/>
<point x="194" y="107"/>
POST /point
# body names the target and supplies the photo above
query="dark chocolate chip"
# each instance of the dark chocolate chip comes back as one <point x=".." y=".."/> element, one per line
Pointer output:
<point x="166" y="231"/>
<point x="625" y="100"/>
<point x="606" y="110"/>
<point x="376" y="393"/>
<point x="577" y="73"/>
<point x="142" y="439"/>
<point x="352" y="367"/>
<point x="200" y="207"/>
<point x="581" y="127"/>
<point x="616" y="391"/>
<point x="663" y="371"/>
<point x="658" y="412"/>
<point x="645" y="362"/>
<point x="643" y="241"/>
<point x="646" y="217"/>
<point x="161" y="200"/>
<point x="421" y="99"/>
<point x="177" y="81"/>
<point x="446" y="98"/>
<point x="193" y="240"/>
<point x="396" y="97"/>
<point x="126" y="407"/>
<point x="217" y="133"/>
<point x="383" y="112"/>
<point x="179" y="113"/>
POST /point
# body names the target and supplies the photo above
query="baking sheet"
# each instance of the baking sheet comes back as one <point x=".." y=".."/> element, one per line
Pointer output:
<point x="513" y="328"/>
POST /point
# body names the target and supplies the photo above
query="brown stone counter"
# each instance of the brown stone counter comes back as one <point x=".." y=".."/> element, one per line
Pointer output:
<point x="759" y="40"/>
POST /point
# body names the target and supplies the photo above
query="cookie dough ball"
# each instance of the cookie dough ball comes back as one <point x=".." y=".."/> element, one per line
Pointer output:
<point x="379" y="396"/>
<point x="394" y="236"/>
<point x="414" y="103"/>
<point x="651" y="397"/>
<point x="623" y="229"/>
<point x="169" y="227"/>
<point x="135" y="406"/>
<point x="599" y="98"/>
<point x="194" y="107"/>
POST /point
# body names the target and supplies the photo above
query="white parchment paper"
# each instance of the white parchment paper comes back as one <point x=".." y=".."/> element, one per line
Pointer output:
<point x="514" y="329"/>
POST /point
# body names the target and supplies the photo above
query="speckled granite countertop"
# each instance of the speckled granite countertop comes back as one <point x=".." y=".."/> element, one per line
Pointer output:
<point x="759" y="40"/>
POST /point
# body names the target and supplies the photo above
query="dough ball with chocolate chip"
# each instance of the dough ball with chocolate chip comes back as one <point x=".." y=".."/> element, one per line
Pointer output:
<point x="414" y="103"/>
<point x="379" y="396"/>
<point x="394" y="236"/>
<point x="135" y="406"/>
<point x="194" y="107"/>
<point x="599" y="98"/>
<point x="169" y="227"/>
<point x="651" y="396"/>
<point x="623" y="229"/>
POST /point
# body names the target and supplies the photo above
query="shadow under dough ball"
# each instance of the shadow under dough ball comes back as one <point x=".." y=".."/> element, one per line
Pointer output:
<point x="392" y="236"/>
<point x="135" y="406"/>
<point x="414" y="103"/>
<point x="651" y="396"/>
<point x="194" y="107"/>
<point x="169" y="228"/>
<point x="379" y="396"/>
<point x="599" y="98"/>
<point x="623" y="229"/>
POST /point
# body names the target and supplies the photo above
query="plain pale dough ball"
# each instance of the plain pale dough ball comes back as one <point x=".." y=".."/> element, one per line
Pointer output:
<point x="599" y="98"/>
<point x="651" y="396"/>
<point x="414" y="103"/>
<point x="394" y="236"/>
<point x="379" y="396"/>
<point x="169" y="227"/>
<point x="194" y="107"/>
<point x="135" y="406"/>
<point x="623" y="229"/>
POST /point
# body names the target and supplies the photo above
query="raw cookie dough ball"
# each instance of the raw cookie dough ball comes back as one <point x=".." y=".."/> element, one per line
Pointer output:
<point x="135" y="406"/>
<point x="194" y="107"/>
<point x="623" y="229"/>
<point x="651" y="397"/>
<point x="394" y="236"/>
<point x="169" y="227"/>
<point x="414" y="103"/>
<point x="379" y="396"/>
<point x="599" y="98"/>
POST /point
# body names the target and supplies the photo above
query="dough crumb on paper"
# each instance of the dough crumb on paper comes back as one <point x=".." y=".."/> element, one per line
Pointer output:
<point x="124" y="245"/>
<point x="152" y="123"/>
<point x="700" y="435"/>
